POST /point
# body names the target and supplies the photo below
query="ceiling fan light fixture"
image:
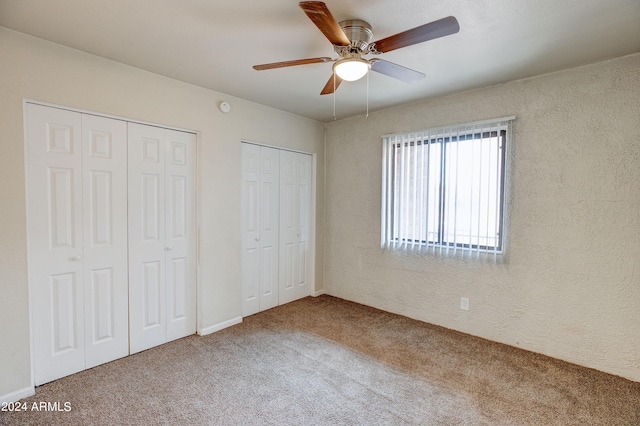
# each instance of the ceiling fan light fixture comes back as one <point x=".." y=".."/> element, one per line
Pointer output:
<point x="351" y="69"/>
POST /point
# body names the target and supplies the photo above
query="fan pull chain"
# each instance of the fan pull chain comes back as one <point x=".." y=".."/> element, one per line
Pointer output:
<point x="334" y="96"/>
<point x="367" y="116"/>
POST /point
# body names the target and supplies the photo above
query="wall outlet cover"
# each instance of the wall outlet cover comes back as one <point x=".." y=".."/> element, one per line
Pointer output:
<point x="464" y="303"/>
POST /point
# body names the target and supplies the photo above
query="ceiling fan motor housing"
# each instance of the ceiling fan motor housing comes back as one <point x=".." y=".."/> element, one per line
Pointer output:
<point x="358" y="32"/>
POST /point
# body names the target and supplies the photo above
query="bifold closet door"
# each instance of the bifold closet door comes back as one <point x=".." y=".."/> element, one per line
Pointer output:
<point x="295" y="219"/>
<point x="162" y="235"/>
<point x="76" y="221"/>
<point x="259" y="218"/>
<point x="106" y="275"/>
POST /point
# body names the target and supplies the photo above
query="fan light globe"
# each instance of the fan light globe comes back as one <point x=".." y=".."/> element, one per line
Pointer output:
<point x="351" y="69"/>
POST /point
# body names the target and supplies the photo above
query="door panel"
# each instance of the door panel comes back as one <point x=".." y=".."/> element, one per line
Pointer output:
<point x="101" y="210"/>
<point x="62" y="219"/>
<point x="180" y="249"/>
<point x="259" y="218"/>
<point x="178" y="289"/>
<point x="289" y="270"/>
<point x="152" y="306"/>
<point x="295" y="216"/>
<point x="146" y="197"/>
<point x="303" y="288"/>
<point x="65" y="323"/>
<point x="162" y="235"/>
<point x="105" y="272"/>
<point x="249" y="218"/>
<point x="150" y="202"/>
<point x="269" y="194"/>
<point x="104" y="317"/>
<point x="54" y="222"/>
<point x="178" y="207"/>
<point x="289" y="220"/>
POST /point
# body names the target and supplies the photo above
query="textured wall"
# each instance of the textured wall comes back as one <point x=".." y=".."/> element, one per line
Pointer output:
<point x="34" y="69"/>
<point x="569" y="285"/>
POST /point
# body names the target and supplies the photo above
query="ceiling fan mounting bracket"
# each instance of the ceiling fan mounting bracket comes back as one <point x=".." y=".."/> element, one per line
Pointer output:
<point x="359" y="34"/>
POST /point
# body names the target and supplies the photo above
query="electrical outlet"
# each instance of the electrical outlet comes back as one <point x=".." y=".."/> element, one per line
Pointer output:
<point x="464" y="303"/>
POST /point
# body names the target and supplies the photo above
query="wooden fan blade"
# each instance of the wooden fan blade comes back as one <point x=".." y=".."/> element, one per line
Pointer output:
<point x="396" y="71"/>
<point x="331" y="86"/>
<point x="290" y="63"/>
<point x="319" y="14"/>
<point x="440" y="28"/>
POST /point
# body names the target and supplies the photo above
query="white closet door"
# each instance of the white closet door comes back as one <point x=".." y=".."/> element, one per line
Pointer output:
<point x="54" y="190"/>
<point x="259" y="217"/>
<point x="295" y="200"/>
<point x="250" y="217"/>
<point x="147" y="245"/>
<point x="180" y="234"/>
<point x="268" y="225"/>
<point x="303" y="287"/>
<point x="104" y="153"/>
<point x="162" y="236"/>
<point x="289" y="229"/>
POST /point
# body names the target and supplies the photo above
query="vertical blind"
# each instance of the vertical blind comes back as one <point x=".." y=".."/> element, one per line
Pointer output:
<point x="443" y="188"/>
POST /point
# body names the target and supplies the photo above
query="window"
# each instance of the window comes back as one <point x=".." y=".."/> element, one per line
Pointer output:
<point x="444" y="188"/>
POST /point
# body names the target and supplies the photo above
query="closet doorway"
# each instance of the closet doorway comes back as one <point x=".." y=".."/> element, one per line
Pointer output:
<point x="277" y="218"/>
<point x="111" y="222"/>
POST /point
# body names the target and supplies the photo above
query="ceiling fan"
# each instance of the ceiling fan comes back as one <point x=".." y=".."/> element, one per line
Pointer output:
<point x="351" y="40"/>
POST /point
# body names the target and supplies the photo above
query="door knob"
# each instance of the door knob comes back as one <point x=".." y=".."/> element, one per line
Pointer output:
<point x="76" y="258"/>
<point x="257" y="238"/>
<point x="167" y="248"/>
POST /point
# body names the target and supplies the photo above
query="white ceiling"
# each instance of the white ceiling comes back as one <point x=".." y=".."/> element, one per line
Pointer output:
<point x="214" y="43"/>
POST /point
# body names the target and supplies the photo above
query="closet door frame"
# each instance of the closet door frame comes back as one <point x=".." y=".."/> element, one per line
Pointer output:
<point x="312" y="209"/>
<point x="30" y="284"/>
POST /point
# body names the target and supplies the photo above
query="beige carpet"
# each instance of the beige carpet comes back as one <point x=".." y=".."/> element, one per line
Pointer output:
<point x="325" y="361"/>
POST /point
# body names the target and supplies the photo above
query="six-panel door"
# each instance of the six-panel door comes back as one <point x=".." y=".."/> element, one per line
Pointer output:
<point x="180" y="234"/>
<point x="106" y="285"/>
<point x="162" y="235"/>
<point x="76" y="189"/>
<point x="78" y="219"/>
<point x="295" y="215"/>
<point x="259" y="219"/>
<point x="275" y="218"/>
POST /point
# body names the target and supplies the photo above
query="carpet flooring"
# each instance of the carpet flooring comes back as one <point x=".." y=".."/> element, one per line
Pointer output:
<point x="326" y="361"/>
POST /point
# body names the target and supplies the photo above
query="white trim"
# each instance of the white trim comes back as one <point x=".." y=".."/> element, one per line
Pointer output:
<point x="275" y="147"/>
<point x="220" y="326"/>
<point x="29" y="275"/>
<point x="199" y="284"/>
<point x="317" y="293"/>
<point x="114" y="117"/>
<point x="18" y="395"/>
<point x="454" y="126"/>
<point x="312" y="224"/>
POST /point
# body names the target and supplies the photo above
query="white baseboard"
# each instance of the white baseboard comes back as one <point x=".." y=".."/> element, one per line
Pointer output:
<point x="317" y="293"/>
<point x="18" y="395"/>
<point x="220" y="326"/>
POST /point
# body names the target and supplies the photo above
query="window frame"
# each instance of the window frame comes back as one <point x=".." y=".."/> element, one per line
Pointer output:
<point x="392" y="236"/>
